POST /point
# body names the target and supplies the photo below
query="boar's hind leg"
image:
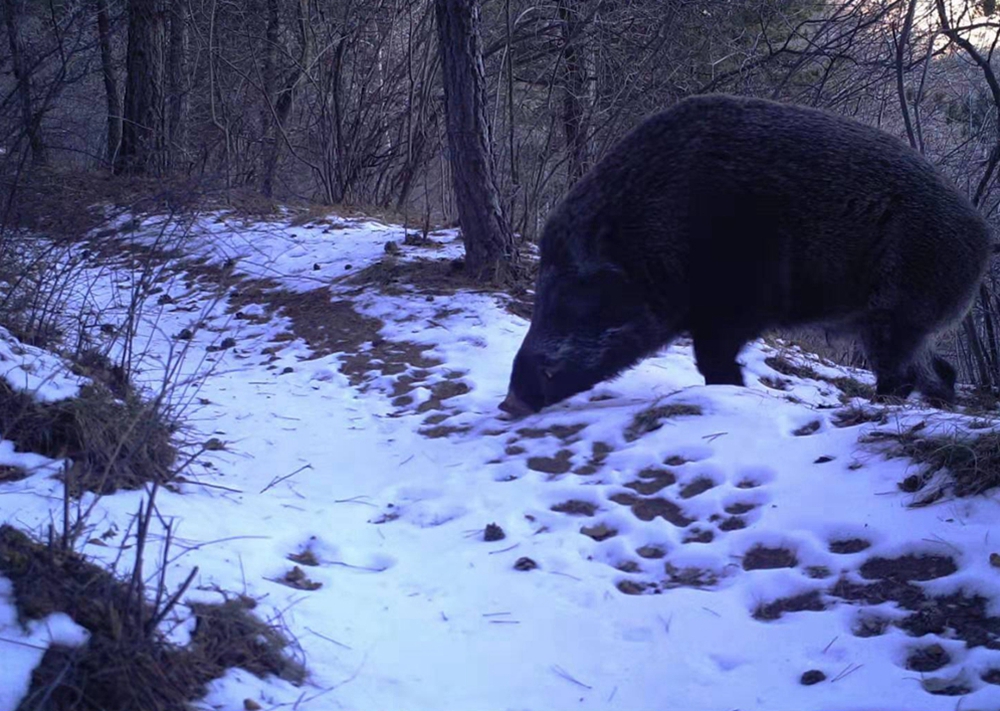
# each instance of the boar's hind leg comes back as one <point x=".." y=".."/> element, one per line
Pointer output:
<point x="715" y="354"/>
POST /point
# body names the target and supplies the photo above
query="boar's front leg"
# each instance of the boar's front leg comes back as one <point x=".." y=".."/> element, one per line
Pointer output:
<point x="715" y="353"/>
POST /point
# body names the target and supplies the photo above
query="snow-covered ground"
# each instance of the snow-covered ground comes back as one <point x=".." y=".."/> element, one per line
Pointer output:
<point x="650" y="558"/>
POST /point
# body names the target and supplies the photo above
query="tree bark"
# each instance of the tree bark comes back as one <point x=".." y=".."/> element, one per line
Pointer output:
<point x="22" y="75"/>
<point x="143" y="139"/>
<point x="281" y="107"/>
<point x="490" y="250"/>
<point x="112" y="99"/>
<point x="176" y="101"/>
<point x="574" y="89"/>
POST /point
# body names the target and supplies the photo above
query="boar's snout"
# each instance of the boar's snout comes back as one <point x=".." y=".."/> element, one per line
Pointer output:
<point x="515" y="406"/>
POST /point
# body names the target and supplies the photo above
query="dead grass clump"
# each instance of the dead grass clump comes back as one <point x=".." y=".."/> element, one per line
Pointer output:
<point x="853" y="416"/>
<point x="787" y="367"/>
<point x="958" y="464"/>
<point x="126" y="664"/>
<point x="114" y="443"/>
<point x="651" y="419"/>
<point x="851" y="387"/>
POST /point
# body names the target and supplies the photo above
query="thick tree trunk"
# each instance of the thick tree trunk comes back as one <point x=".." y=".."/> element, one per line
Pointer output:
<point x="110" y="82"/>
<point x="22" y="75"/>
<point x="143" y="139"/>
<point x="176" y="101"/>
<point x="490" y="251"/>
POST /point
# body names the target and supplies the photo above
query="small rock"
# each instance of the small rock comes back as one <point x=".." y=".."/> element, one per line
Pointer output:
<point x="823" y="460"/>
<point x="391" y="248"/>
<point x="347" y="266"/>
<point x="185" y="335"/>
<point x="493" y="532"/>
<point x="316" y="267"/>
<point x="813" y="676"/>
<point x="251" y="705"/>
<point x="525" y="563"/>
<point x="287" y="369"/>
<point x="227" y="342"/>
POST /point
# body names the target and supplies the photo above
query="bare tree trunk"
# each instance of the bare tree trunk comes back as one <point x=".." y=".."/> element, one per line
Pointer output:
<point x="22" y="75"/>
<point x="574" y="88"/>
<point x="110" y="82"/>
<point x="490" y="250"/>
<point x="176" y="69"/>
<point x="282" y="105"/>
<point x="143" y="136"/>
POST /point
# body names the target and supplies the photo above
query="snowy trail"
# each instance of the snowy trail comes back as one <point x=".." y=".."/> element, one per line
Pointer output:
<point x="658" y="535"/>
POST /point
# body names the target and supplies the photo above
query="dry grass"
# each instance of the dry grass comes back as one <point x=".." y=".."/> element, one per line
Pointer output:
<point x="114" y="443"/>
<point x="958" y="464"/>
<point x="127" y="665"/>
<point x="651" y="419"/>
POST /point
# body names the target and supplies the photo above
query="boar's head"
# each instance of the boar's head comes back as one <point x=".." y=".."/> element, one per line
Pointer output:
<point x="585" y="328"/>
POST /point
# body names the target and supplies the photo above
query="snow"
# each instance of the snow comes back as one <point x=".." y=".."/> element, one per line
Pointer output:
<point x="416" y="610"/>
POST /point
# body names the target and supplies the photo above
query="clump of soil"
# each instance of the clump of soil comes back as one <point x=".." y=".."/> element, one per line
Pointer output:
<point x="652" y="480"/>
<point x="808" y="429"/>
<point x="646" y="509"/>
<point x="810" y="601"/>
<point x="575" y="507"/>
<point x="847" y="546"/>
<point x="854" y="416"/>
<point x="559" y="464"/>
<point x="909" y="567"/>
<point x="763" y="558"/>
<point x="696" y="487"/>
<point x="651" y="419"/>
<point x="927" y="659"/>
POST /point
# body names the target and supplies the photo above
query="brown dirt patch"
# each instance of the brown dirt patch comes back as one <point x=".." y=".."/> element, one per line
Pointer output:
<point x="738" y="508"/>
<point x="854" y="416"/>
<point x="763" y="558"/>
<point x="696" y="486"/>
<point x="810" y="601"/>
<point x="10" y="474"/>
<point x="908" y="567"/>
<point x="846" y="546"/>
<point x="776" y="383"/>
<point x="689" y="577"/>
<point x="646" y="509"/>
<point x="733" y="523"/>
<point x="699" y="535"/>
<point x="559" y="464"/>
<point x="575" y="507"/>
<point x="927" y="659"/>
<point x="652" y="419"/>
<point x="808" y="429"/>
<point x="650" y="552"/>
<point x="566" y="433"/>
<point x="652" y="480"/>
<point x="599" y="532"/>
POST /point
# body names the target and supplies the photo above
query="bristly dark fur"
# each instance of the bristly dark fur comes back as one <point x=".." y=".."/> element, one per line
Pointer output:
<point x="726" y="216"/>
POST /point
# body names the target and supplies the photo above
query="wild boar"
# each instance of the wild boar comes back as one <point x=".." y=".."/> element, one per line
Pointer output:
<point x="723" y="217"/>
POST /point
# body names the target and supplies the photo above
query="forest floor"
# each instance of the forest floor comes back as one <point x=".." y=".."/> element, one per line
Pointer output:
<point x="653" y="543"/>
